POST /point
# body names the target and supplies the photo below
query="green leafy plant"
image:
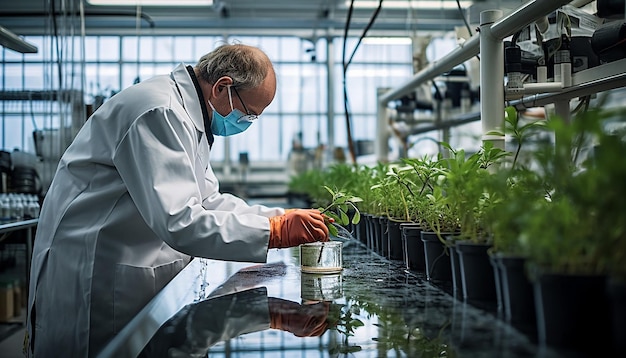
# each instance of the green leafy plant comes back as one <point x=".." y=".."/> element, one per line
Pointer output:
<point x="574" y="218"/>
<point x="375" y="203"/>
<point x="338" y="209"/>
<point x="517" y="190"/>
<point x="468" y="191"/>
<point x="420" y="176"/>
<point x="307" y="185"/>
<point x="394" y="189"/>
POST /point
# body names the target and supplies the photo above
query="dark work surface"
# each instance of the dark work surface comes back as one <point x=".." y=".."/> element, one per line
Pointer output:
<point x="402" y="314"/>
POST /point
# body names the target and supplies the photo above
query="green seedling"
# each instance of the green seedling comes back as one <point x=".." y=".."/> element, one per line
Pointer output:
<point x="337" y="211"/>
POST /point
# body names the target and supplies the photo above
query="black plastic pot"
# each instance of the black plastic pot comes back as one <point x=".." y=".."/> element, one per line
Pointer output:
<point x="517" y="294"/>
<point x="383" y="240"/>
<point x="413" y="247"/>
<point x="360" y="231"/>
<point x="494" y="260"/>
<point x="394" y="237"/>
<point x="616" y="291"/>
<point x="373" y="232"/>
<point x="476" y="272"/>
<point x="573" y="313"/>
<point x="437" y="257"/>
<point x="455" y="269"/>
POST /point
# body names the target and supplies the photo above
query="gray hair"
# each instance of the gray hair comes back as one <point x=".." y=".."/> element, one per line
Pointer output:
<point x="246" y="65"/>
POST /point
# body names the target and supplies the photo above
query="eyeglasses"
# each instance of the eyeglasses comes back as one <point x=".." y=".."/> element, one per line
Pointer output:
<point x="248" y="117"/>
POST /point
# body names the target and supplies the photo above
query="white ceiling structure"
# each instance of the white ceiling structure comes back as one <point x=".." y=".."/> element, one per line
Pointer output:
<point x="304" y="18"/>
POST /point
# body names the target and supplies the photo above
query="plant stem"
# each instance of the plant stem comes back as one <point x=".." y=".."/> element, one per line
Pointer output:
<point x="319" y="258"/>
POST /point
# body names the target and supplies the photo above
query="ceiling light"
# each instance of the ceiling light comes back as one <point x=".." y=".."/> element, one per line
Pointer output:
<point x="10" y="40"/>
<point x="409" y="4"/>
<point x="152" y="2"/>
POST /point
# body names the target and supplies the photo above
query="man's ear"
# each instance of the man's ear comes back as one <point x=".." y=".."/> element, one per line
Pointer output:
<point x="222" y="83"/>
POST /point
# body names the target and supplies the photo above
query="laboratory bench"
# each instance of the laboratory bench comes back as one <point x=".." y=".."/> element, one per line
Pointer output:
<point x="374" y="307"/>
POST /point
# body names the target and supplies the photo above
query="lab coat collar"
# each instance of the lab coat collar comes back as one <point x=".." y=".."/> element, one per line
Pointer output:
<point x="193" y="101"/>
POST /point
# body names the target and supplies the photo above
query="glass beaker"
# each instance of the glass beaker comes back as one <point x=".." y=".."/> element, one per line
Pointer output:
<point x="321" y="257"/>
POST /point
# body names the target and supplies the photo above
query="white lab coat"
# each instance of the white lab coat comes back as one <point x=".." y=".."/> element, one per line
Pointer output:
<point x="133" y="198"/>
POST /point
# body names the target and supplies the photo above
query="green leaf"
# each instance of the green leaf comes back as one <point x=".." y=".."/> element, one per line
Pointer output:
<point x="329" y="190"/>
<point x="332" y="215"/>
<point x="332" y="230"/>
<point x="511" y="115"/>
<point x="356" y="323"/>
<point x="345" y="220"/>
<point x="357" y="217"/>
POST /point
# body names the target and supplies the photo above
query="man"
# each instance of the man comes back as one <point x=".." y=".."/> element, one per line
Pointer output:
<point x="134" y="198"/>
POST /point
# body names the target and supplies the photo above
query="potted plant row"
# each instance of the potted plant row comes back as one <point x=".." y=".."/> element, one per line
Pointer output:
<point x="551" y="209"/>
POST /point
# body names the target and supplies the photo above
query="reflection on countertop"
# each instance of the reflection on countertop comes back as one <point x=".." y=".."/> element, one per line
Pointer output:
<point x="373" y="308"/>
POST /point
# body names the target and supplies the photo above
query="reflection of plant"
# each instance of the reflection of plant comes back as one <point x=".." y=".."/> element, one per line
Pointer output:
<point x="420" y="345"/>
<point x="393" y="335"/>
<point x="338" y="208"/>
<point x="341" y="318"/>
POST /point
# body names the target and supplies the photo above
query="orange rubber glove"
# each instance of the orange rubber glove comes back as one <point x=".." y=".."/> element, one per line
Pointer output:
<point x="297" y="227"/>
<point x="301" y="320"/>
<point x="326" y="217"/>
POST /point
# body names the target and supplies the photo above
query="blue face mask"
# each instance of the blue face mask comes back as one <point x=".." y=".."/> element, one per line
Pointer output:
<point x="235" y="122"/>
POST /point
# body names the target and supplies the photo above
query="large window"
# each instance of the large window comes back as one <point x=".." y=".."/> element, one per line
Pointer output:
<point x="100" y="66"/>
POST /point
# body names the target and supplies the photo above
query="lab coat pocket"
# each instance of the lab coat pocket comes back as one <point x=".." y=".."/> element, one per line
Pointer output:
<point x="135" y="286"/>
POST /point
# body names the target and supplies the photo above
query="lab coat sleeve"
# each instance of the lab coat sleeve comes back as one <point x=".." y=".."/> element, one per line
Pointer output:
<point x="157" y="160"/>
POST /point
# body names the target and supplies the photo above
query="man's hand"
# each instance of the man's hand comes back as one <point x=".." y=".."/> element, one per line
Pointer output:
<point x="297" y="227"/>
<point x="301" y="320"/>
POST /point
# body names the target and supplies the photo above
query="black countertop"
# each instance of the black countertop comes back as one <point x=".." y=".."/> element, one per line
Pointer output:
<point x="219" y="308"/>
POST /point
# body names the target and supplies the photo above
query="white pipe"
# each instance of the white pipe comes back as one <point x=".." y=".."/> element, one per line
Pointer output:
<point x="330" y="101"/>
<point x="491" y="80"/>
<point x="464" y="52"/>
<point x="542" y="73"/>
<point x="561" y="109"/>
<point x="382" y="133"/>
<point x="566" y="74"/>
<point x="534" y="88"/>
